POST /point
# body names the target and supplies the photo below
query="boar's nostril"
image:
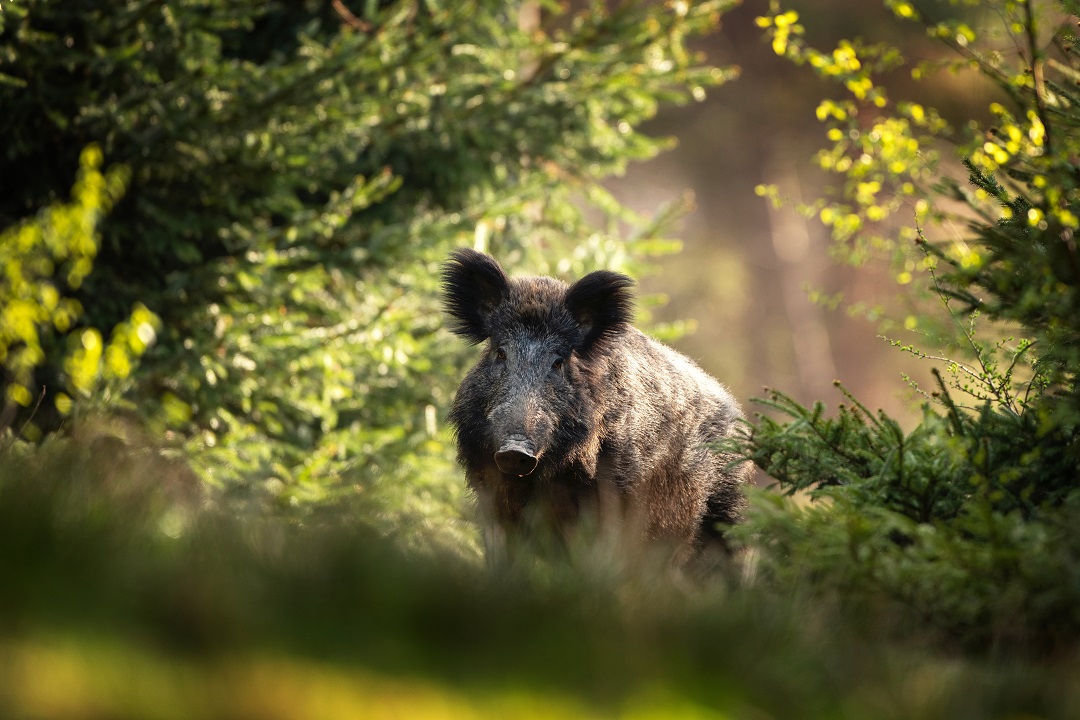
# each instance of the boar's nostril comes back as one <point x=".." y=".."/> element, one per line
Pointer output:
<point x="515" y="461"/>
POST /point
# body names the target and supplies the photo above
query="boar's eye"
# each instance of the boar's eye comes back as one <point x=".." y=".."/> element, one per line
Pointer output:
<point x="557" y="365"/>
<point x="500" y="354"/>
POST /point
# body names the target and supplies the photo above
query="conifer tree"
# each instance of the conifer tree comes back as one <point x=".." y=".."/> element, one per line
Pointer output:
<point x="963" y="521"/>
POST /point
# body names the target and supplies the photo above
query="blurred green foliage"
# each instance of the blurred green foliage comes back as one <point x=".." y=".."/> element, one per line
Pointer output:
<point x="126" y="596"/>
<point x="964" y="523"/>
<point x="43" y="262"/>
<point x="298" y="171"/>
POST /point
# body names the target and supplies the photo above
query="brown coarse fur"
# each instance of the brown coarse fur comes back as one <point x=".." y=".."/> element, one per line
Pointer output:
<point x="573" y="417"/>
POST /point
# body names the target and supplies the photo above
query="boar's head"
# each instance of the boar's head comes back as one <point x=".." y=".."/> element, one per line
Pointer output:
<point x="532" y="394"/>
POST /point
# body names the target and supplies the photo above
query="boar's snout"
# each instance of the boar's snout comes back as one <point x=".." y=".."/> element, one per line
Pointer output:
<point x="515" y="462"/>
<point x="516" y="457"/>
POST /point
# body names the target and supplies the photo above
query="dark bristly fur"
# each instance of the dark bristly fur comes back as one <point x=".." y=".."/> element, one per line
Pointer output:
<point x="473" y="285"/>
<point x="603" y="306"/>
<point x="591" y="420"/>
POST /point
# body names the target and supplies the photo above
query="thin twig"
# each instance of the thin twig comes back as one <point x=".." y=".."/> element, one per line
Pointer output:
<point x="34" y="411"/>
<point x="351" y="20"/>
<point x="1037" y="73"/>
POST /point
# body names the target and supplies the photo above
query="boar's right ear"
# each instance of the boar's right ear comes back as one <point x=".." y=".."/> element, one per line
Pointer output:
<point x="603" y="306"/>
<point x="473" y="286"/>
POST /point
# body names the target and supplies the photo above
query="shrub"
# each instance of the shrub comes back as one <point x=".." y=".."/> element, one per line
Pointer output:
<point x="960" y="523"/>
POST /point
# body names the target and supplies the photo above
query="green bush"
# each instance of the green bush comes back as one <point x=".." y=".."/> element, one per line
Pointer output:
<point x="962" y="523"/>
<point x="43" y="263"/>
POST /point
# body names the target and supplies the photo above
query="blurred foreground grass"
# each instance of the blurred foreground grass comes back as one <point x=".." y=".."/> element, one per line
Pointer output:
<point x="125" y="593"/>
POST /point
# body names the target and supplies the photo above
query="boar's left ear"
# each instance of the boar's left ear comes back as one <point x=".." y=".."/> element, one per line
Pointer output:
<point x="473" y="286"/>
<point x="603" y="306"/>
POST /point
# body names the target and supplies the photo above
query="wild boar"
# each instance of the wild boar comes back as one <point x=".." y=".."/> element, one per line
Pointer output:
<point x="572" y="414"/>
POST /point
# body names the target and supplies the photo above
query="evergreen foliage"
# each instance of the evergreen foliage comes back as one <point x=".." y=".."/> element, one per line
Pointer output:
<point x="43" y="261"/>
<point x="298" y="170"/>
<point x="962" y="523"/>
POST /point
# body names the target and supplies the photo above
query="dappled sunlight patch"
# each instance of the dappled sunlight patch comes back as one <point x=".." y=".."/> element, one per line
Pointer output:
<point x="74" y="678"/>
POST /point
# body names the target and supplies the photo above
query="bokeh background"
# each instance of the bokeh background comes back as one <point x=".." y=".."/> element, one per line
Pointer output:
<point x="751" y="276"/>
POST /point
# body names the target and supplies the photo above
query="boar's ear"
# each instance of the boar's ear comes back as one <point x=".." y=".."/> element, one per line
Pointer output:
<point x="603" y="306"/>
<point x="473" y="285"/>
